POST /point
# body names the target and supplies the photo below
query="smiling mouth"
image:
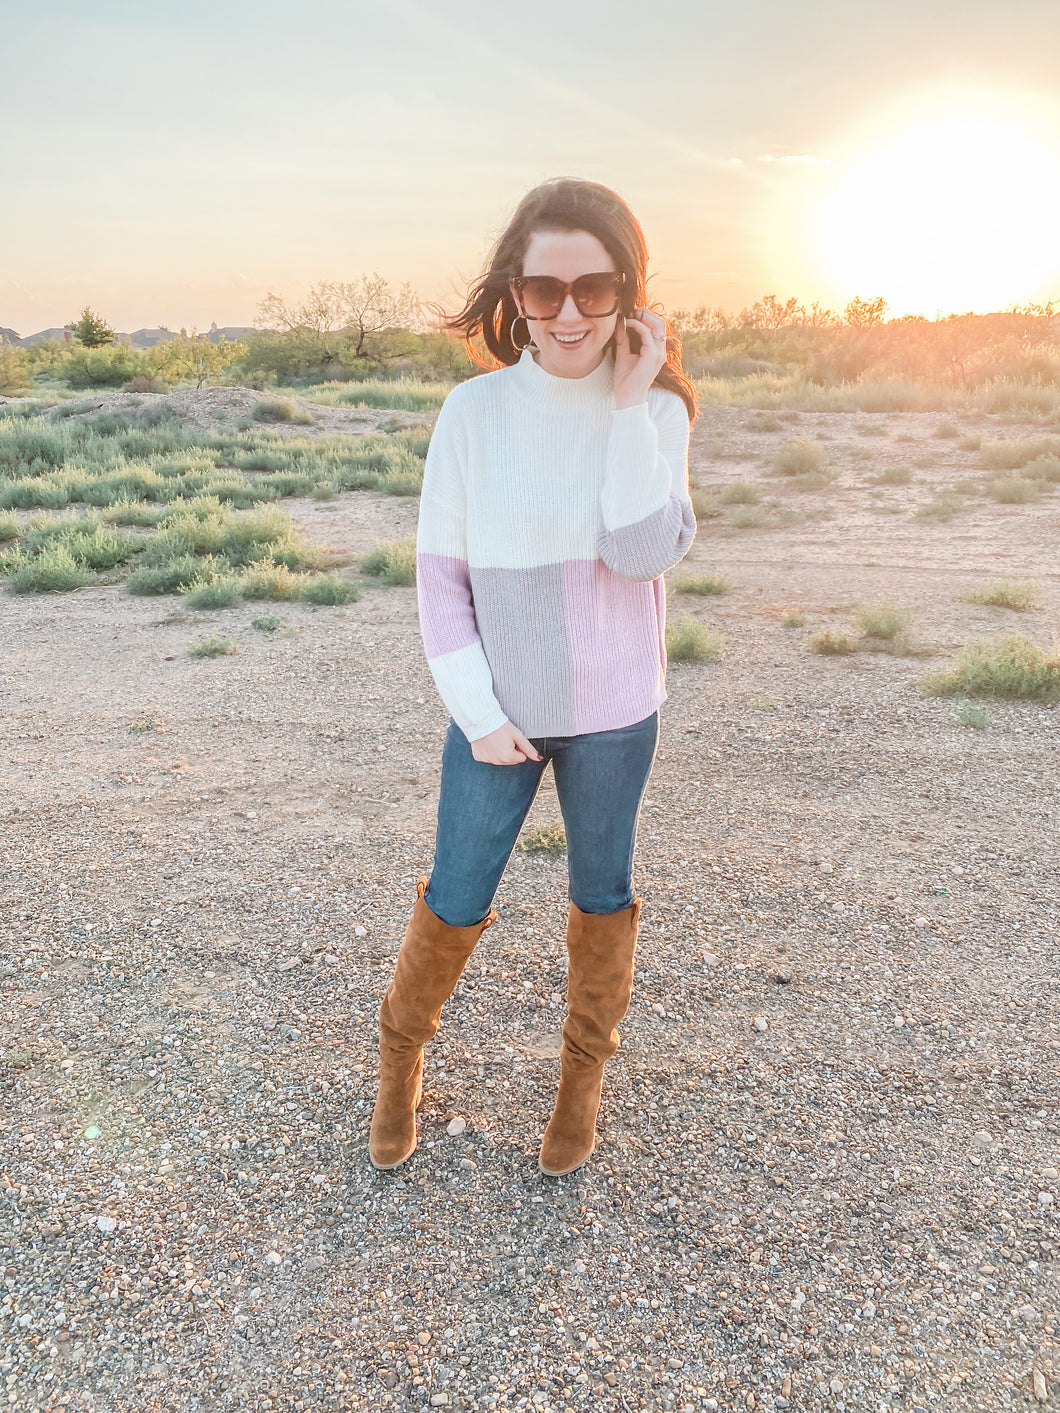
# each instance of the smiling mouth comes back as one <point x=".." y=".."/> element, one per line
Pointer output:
<point x="571" y="340"/>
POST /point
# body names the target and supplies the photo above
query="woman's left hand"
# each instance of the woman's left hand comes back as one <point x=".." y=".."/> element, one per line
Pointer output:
<point x="635" y="372"/>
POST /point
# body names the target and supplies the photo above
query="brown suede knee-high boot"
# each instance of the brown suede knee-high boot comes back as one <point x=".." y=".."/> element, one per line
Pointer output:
<point x="429" y="964"/>
<point x="600" y="949"/>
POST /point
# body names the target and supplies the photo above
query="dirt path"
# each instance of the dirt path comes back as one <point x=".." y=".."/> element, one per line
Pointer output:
<point x="828" y="1168"/>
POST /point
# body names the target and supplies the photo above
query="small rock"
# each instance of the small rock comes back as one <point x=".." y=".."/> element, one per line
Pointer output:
<point x="424" y="1337"/>
<point x="835" y="1386"/>
<point x="274" y="1258"/>
<point x="760" y="1023"/>
<point x="658" y="1008"/>
<point x="1044" y="1199"/>
<point x="106" y="1224"/>
<point x="826" y="867"/>
<point x="439" y="1400"/>
<point x="1041" y="1388"/>
<point x="921" y="922"/>
<point x="316" y="1263"/>
<point x="93" y="1131"/>
<point x="360" y="931"/>
<point x="1051" y="1173"/>
<point x="468" y="1163"/>
<point x="982" y="1139"/>
<point x="289" y="964"/>
<point x="456" y="1126"/>
<point x="899" y="1021"/>
<point x="782" y="978"/>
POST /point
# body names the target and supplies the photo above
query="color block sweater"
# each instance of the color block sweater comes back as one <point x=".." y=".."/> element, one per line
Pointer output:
<point x="546" y="520"/>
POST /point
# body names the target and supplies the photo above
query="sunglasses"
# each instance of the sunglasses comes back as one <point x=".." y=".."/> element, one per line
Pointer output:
<point x="543" y="296"/>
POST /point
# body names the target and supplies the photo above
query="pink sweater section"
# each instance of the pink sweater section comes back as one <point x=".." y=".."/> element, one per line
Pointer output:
<point x="546" y="522"/>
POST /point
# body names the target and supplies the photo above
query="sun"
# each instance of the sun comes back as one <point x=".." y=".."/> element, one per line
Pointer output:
<point x="951" y="207"/>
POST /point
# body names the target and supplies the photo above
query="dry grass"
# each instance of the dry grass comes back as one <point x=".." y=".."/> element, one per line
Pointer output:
<point x="1006" y="593"/>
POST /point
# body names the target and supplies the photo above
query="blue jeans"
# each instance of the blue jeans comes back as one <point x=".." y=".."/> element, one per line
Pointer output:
<point x="600" y="780"/>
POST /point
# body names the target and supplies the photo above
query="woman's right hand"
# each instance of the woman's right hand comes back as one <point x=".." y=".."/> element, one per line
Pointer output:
<point x="505" y="746"/>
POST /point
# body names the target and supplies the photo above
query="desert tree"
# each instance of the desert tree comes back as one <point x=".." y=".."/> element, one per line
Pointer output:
<point x="354" y="321"/>
<point x="194" y="357"/>
<point x="91" y="331"/>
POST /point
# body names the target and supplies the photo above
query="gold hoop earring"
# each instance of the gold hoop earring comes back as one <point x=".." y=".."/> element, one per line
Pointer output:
<point x="521" y="347"/>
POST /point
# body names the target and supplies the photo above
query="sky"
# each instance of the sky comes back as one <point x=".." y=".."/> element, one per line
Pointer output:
<point x="171" y="164"/>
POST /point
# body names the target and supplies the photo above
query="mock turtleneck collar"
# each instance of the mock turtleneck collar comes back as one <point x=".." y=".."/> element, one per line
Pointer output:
<point x="554" y="394"/>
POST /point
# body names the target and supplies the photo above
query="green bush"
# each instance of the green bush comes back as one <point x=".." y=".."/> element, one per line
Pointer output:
<point x="706" y="505"/>
<point x="265" y="580"/>
<point x="328" y="589"/>
<point x="1008" y="666"/>
<point x="972" y="714"/>
<point x="704" y="584"/>
<point x="547" y="839"/>
<point x="104" y="367"/>
<point x="213" y="647"/>
<point x="829" y="643"/>
<point x="793" y="619"/>
<point x="15" y="376"/>
<point x="8" y="528"/>
<point x="1005" y="593"/>
<point x="798" y="457"/>
<point x="1044" y="468"/>
<point x="213" y="593"/>
<point x="692" y="641"/>
<point x="392" y="562"/>
<point x="280" y="409"/>
<point x="883" y="621"/>
<point x="171" y="576"/>
<point x="53" y="570"/>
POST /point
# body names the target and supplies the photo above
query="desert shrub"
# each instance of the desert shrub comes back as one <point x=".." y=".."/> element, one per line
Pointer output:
<point x="327" y="589"/>
<point x="706" y="505"/>
<point x="172" y="576"/>
<point x="741" y="493"/>
<point x="883" y="621"/>
<point x="547" y="839"/>
<point x="944" y="507"/>
<point x="268" y="624"/>
<point x="703" y="584"/>
<point x="266" y="580"/>
<point x="213" y="647"/>
<point x="1013" y="455"/>
<point x="692" y="641"/>
<point x="972" y="441"/>
<point x="1004" y="593"/>
<point x="749" y="517"/>
<point x="280" y="409"/>
<point x="764" y="422"/>
<point x="793" y="619"/>
<point x="1008" y="666"/>
<point x="829" y="643"/>
<point x="391" y="562"/>
<point x="1014" y="490"/>
<point x="106" y="367"/>
<point x="814" y="480"/>
<point x="401" y="394"/>
<point x="947" y="429"/>
<point x="798" y="456"/>
<point x="972" y="714"/>
<point x="15" y="375"/>
<point x="893" y="476"/>
<point x="53" y="570"/>
<point x="1044" y="468"/>
<point x="144" y="383"/>
<point x="8" y="527"/>
<point x="286" y="483"/>
<point x="219" y="592"/>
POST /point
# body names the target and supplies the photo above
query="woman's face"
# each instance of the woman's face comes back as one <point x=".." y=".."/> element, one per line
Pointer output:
<point x="571" y="345"/>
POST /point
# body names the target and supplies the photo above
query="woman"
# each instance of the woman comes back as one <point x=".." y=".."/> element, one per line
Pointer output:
<point x="555" y="495"/>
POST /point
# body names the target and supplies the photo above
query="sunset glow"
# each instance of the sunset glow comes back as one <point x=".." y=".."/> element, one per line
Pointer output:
<point x="954" y="208"/>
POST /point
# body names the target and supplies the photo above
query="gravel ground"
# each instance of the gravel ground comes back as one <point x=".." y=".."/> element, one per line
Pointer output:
<point x="828" y="1168"/>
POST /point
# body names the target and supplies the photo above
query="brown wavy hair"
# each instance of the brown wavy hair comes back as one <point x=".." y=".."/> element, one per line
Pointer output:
<point x="563" y="204"/>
